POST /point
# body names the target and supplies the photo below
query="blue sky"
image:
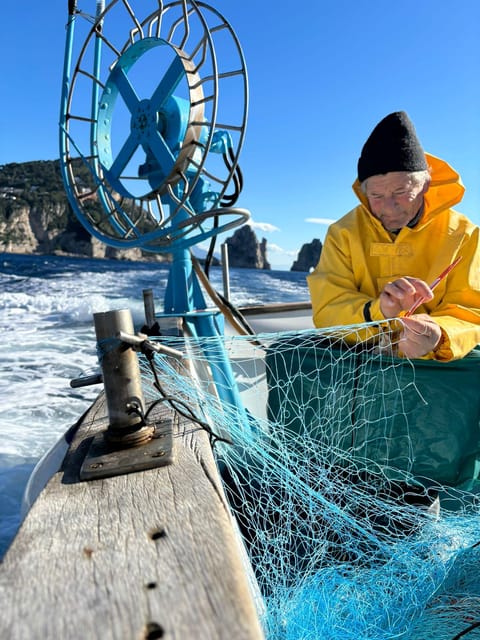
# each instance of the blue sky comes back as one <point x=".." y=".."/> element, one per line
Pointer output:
<point x="321" y="75"/>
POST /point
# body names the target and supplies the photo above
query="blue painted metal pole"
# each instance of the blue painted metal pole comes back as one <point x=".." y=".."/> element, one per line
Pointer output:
<point x="183" y="293"/>
<point x="184" y="297"/>
<point x="95" y="86"/>
<point x="205" y="325"/>
<point x="66" y="80"/>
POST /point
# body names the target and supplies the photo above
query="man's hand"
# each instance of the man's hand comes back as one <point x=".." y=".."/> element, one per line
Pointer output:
<point x="420" y="335"/>
<point x="400" y="295"/>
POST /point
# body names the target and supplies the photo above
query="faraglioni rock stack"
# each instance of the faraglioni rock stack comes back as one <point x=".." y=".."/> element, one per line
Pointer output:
<point x="308" y="256"/>
<point x="245" y="251"/>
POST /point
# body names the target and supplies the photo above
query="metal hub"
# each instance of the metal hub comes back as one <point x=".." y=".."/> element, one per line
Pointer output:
<point x="144" y="120"/>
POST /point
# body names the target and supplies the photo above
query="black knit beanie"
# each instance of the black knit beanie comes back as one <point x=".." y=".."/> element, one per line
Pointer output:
<point x="392" y="146"/>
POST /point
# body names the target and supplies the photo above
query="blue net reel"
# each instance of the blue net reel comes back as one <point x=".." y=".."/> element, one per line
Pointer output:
<point x="152" y="123"/>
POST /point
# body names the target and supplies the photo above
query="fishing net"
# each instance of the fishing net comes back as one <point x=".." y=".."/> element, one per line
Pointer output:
<point x="352" y="475"/>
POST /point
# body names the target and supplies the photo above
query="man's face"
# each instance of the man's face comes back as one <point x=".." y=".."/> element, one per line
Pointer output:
<point x="394" y="199"/>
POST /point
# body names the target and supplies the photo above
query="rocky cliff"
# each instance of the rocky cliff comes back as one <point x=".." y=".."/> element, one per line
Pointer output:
<point x="308" y="256"/>
<point x="245" y="251"/>
<point x="35" y="216"/>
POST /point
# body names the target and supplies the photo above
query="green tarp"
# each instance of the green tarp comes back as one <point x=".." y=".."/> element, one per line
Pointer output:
<point x="420" y="420"/>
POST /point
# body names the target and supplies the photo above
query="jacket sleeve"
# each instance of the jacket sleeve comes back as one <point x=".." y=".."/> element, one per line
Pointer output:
<point x="336" y="299"/>
<point x="457" y="311"/>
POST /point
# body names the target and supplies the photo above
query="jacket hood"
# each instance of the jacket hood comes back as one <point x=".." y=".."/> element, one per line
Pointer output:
<point x="445" y="191"/>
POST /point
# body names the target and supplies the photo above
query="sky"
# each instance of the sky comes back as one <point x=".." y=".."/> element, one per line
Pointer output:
<point x="321" y="75"/>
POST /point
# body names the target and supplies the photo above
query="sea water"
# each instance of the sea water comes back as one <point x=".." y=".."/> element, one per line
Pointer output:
<point x="46" y="319"/>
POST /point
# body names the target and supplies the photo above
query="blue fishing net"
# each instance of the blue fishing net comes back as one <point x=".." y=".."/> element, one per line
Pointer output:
<point x="352" y="475"/>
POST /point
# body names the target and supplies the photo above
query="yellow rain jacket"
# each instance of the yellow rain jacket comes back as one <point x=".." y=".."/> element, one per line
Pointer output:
<point x="359" y="257"/>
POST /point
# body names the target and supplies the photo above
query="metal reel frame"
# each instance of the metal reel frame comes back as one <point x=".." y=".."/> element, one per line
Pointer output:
<point x="178" y="196"/>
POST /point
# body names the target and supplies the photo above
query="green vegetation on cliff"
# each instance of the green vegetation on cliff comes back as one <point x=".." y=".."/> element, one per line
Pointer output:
<point x="36" y="184"/>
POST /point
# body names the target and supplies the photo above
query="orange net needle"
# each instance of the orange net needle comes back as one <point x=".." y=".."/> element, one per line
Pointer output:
<point x="437" y="281"/>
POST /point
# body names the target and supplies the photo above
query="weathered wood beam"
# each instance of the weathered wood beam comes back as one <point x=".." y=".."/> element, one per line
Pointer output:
<point x="151" y="554"/>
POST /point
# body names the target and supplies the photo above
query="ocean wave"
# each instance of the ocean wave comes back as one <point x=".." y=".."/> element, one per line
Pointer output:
<point x="51" y="307"/>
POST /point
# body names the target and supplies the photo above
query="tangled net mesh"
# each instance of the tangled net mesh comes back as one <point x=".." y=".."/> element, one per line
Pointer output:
<point x="352" y="475"/>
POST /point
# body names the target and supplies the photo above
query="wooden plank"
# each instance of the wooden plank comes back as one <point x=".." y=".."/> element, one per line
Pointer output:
<point x="151" y="554"/>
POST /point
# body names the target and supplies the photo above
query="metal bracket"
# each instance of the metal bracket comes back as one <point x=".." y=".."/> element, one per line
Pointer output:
<point x="104" y="460"/>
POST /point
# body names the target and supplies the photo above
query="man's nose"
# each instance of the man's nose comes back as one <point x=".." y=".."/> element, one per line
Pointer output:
<point x="389" y="203"/>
